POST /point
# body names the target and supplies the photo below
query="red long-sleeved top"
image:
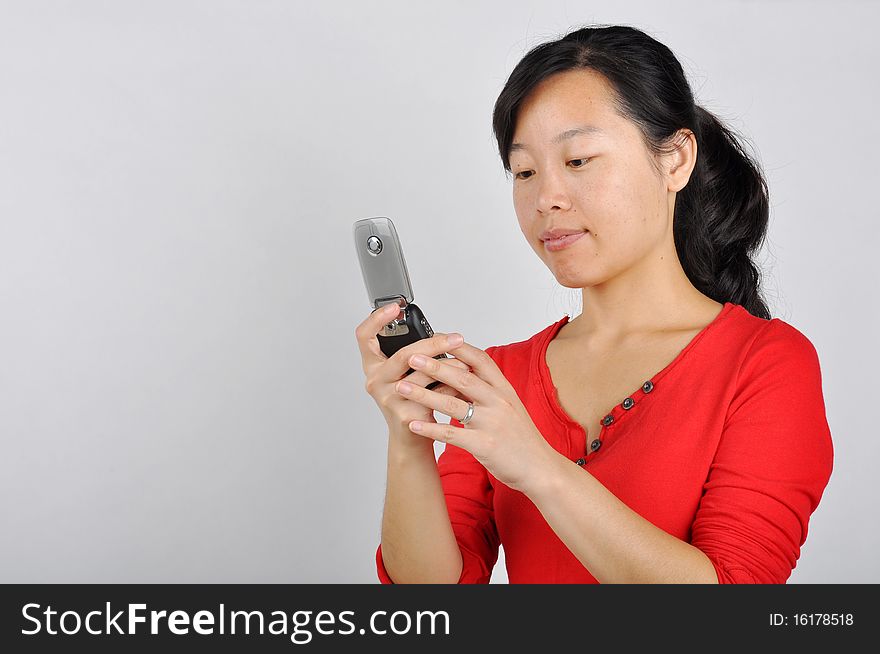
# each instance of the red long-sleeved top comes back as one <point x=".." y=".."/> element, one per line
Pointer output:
<point x="727" y="448"/>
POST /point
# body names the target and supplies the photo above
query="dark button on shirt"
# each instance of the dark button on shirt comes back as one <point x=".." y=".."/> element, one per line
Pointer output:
<point x="607" y="420"/>
<point x="648" y="386"/>
<point x="595" y="445"/>
<point x="627" y="403"/>
<point x="581" y="462"/>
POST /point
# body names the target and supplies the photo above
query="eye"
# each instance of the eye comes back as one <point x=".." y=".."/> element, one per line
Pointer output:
<point x="574" y="163"/>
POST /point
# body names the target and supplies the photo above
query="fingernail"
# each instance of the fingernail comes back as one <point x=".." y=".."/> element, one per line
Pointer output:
<point x="404" y="387"/>
<point x="390" y="307"/>
<point x="455" y="339"/>
<point x="418" y="360"/>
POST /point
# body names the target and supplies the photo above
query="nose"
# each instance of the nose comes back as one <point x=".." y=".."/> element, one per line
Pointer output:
<point x="552" y="193"/>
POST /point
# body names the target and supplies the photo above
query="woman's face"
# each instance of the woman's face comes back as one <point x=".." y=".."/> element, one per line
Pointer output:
<point x="567" y="176"/>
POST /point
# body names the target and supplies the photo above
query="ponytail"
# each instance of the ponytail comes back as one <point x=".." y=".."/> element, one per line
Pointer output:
<point x="721" y="218"/>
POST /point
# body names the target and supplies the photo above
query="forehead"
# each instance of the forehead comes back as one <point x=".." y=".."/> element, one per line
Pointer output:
<point x="564" y="99"/>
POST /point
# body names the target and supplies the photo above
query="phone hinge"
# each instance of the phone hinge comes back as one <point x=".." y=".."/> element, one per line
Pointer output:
<point x="397" y="326"/>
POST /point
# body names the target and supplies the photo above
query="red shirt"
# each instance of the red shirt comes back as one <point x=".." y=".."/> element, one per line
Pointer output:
<point x="727" y="448"/>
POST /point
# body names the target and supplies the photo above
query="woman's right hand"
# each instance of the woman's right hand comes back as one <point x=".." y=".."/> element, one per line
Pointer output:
<point x="382" y="373"/>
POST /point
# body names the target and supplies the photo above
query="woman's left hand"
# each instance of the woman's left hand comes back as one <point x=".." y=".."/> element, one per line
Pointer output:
<point x="501" y="435"/>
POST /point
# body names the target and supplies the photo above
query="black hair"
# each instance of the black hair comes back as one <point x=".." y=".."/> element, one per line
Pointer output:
<point x="721" y="215"/>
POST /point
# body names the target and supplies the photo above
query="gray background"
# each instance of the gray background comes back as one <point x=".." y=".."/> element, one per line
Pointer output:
<point x="181" y="394"/>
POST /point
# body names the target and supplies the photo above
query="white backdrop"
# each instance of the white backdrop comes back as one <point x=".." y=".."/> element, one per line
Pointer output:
<point x="181" y="395"/>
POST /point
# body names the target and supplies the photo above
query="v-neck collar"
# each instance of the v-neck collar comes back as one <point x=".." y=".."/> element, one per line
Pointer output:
<point x="543" y="378"/>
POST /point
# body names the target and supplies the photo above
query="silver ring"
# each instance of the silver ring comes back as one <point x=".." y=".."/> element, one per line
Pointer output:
<point x="470" y="414"/>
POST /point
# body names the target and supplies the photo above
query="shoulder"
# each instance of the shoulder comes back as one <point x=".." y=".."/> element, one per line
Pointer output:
<point x="782" y="348"/>
<point x="778" y="374"/>
<point x="518" y="352"/>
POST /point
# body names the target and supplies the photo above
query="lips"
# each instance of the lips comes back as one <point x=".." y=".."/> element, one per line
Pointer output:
<point x="556" y="244"/>
<point x="554" y="234"/>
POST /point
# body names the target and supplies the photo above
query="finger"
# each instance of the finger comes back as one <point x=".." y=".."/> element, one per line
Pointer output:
<point x="366" y="332"/>
<point x="443" y="433"/>
<point x="398" y="363"/>
<point x="446" y="390"/>
<point x="442" y="402"/>
<point x="423" y="380"/>
<point x="481" y="365"/>
<point x="467" y="383"/>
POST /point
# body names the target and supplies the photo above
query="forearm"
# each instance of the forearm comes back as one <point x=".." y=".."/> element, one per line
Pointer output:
<point x="612" y="541"/>
<point x="418" y="544"/>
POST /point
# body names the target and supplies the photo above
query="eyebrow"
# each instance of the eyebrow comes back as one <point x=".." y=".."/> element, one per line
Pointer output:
<point x="567" y="134"/>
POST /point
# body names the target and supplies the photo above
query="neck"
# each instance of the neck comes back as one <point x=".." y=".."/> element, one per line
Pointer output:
<point x="654" y="295"/>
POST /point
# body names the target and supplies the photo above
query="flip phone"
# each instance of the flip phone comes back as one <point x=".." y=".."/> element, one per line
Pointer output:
<point x="387" y="280"/>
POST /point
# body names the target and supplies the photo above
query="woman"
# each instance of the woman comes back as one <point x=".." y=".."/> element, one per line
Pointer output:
<point x="673" y="432"/>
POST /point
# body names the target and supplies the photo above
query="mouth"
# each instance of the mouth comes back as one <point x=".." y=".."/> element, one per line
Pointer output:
<point x="556" y="244"/>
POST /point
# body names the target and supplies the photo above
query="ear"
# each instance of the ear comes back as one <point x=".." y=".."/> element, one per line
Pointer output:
<point x="681" y="161"/>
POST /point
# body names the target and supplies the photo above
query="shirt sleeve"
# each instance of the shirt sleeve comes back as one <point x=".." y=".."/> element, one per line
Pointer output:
<point x="469" y="501"/>
<point x="772" y="465"/>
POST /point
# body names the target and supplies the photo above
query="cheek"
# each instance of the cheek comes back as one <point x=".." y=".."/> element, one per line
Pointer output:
<point x="522" y="206"/>
<point x="624" y="228"/>
<point x="628" y="205"/>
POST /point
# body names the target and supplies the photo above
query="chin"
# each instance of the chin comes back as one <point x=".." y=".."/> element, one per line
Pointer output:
<point x="578" y="278"/>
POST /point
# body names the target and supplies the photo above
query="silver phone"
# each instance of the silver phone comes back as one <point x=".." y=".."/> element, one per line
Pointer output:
<point x="387" y="280"/>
